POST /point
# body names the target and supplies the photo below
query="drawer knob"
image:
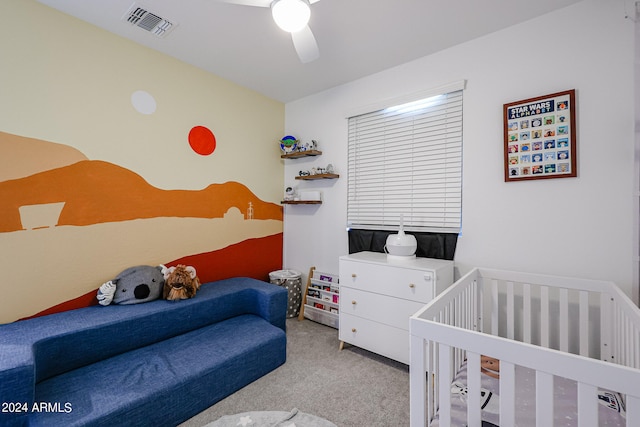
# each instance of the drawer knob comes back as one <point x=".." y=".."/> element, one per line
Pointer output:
<point x="353" y="302"/>
<point x="411" y="285"/>
<point x="353" y="275"/>
<point x="353" y="329"/>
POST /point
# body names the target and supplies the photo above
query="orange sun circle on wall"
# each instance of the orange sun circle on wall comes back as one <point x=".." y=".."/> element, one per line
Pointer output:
<point x="202" y="140"/>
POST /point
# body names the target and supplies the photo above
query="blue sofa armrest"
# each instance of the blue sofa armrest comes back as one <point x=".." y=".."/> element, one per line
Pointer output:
<point x="17" y="383"/>
<point x="263" y="299"/>
<point x="270" y="302"/>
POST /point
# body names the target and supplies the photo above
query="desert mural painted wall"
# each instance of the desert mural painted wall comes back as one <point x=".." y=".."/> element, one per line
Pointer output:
<point x="113" y="155"/>
<point x="95" y="214"/>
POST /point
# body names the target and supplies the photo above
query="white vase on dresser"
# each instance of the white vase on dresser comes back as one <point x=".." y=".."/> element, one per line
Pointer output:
<point x="378" y="294"/>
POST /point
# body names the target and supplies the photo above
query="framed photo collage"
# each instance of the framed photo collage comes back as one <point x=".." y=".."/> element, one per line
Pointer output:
<point x="540" y="137"/>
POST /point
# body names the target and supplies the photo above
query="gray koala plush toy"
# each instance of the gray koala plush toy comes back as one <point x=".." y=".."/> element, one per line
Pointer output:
<point x="133" y="286"/>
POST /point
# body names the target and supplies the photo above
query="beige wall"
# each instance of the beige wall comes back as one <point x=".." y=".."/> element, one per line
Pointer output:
<point x="69" y="82"/>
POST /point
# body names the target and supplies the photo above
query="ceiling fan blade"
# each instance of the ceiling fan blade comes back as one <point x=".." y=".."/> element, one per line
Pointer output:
<point x="305" y="44"/>
<point x="258" y="3"/>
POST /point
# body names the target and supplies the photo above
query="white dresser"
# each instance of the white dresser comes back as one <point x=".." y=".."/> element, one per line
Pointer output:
<point x="378" y="295"/>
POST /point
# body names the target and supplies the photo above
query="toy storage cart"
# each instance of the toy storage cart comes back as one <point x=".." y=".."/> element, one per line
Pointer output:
<point x="321" y="298"/>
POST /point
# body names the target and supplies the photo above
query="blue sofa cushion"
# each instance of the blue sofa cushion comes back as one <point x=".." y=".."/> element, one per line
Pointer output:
<point x="65" y="341"/>
<point x="167" y="382"/>
<point x="204" y="348"/>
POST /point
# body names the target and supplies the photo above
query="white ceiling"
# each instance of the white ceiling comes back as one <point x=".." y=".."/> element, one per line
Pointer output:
<point x="356" y="37"/>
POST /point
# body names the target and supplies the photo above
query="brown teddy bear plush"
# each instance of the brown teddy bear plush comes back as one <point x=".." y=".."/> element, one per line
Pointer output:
<point x="180" y="282"/>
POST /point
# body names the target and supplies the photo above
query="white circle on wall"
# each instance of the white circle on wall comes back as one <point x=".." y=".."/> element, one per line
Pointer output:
<point x="143" y="102"/>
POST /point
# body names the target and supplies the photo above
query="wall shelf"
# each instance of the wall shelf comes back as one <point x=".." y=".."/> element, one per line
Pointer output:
<point x="308" y="153"/>
<point x="299" y="154"/>
<point x="319" y="176"/>
<point x="301" y="202"/>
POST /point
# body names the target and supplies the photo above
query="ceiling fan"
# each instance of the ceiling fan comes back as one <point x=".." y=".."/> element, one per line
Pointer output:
<point x="292" y="16"/>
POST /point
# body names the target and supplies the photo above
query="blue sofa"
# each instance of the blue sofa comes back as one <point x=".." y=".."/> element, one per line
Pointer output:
<point x="156" y="364"/>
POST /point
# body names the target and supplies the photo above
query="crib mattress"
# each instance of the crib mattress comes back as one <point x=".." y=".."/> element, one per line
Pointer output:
<point x="610" y="413"/>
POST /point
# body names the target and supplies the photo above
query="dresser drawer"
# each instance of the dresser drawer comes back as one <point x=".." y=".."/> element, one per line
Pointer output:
<point x="380" y="308"/>
<point x="406" y="283"/>
<point x="381" y="339"/>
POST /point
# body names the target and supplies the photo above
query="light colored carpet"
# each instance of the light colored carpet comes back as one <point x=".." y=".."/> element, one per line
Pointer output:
<point x="351" y="388"/>
<point x="294" y="418"/>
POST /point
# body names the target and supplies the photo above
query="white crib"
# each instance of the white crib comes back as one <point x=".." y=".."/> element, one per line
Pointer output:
<point x="586" y="331"/>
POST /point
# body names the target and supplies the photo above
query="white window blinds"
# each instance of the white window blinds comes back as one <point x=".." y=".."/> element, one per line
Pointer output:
<point x="407" y="161"/>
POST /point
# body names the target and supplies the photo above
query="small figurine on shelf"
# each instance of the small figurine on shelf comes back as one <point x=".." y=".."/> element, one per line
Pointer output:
<point x="314" y="145"/>
<point x="329" y="168"/>
<point x="307" y="146"/>
<point x="304" y="173"/>
<point x="289" y="194"/>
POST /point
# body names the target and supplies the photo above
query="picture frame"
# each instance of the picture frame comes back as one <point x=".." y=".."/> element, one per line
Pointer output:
<point x="540" y="137"/>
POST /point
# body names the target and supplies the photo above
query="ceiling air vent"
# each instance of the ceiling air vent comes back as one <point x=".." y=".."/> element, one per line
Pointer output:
<point x="142" y="18"/>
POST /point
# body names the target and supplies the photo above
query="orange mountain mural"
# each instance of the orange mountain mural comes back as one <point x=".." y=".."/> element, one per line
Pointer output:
<point x="95" y="192"/>
<point x="68" y="224"/>
<point x="251" y="258"/>
<point x="22" y="156"/>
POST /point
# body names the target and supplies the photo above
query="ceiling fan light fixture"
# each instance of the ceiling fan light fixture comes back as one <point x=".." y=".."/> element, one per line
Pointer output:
<point x="291" y="15"/>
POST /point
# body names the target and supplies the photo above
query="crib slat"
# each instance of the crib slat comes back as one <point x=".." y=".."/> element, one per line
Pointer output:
<point x="584" y="323"/>
<point x="544" y="316"/>
<point x="457" y="312"/>
<point x="606" y="327"/>
<point x="564" y="320"/>
<point x="617" y="333"/>
<point x="636" y="349"/>
<point x="627" y="338"/>
<point x="435" y="366"/>
<point x="507" y="394"/>
<point x="631" y="343"/>
<point x="417" y="385"/>
<point x="444" y="383"/>
<point x="467" y="309"/>
<point x="432" y="391"/>
<point x="544" y="399"/>
<point x="587" y="409"/>
<point x="479" y="295"/>
<point x="510" y="311"/>
<point x="455" y="318"/>
<point x="494" y="308"/>
<point x="623" y="329"/>
<point x="473" y="382"/>
<point x="446" y="314"/>
<point x="526" y="312"/>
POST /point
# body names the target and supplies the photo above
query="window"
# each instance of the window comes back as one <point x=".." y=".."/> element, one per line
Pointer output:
<point x="405" y="161"/>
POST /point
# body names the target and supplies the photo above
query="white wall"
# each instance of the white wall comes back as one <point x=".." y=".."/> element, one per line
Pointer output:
<point x="636" y="208"/>
<point x="576" y="226"/>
